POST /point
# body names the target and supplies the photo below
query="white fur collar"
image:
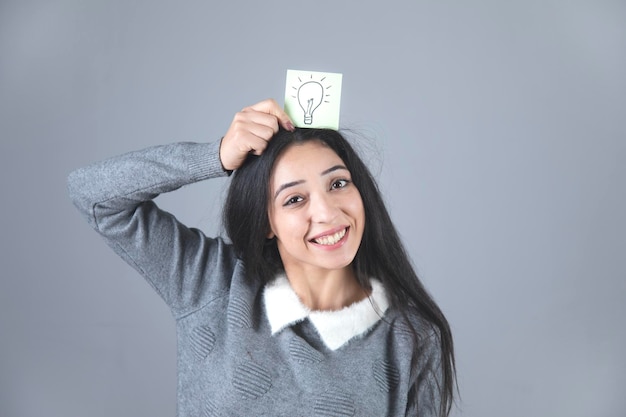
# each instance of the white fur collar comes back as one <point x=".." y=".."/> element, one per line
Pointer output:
<point x="336" y="328"/>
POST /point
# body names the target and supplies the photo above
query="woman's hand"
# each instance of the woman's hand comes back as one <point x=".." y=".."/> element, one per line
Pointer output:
<point x="250" y="131"/>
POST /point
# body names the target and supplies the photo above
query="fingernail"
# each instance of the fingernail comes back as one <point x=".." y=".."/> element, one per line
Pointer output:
<point x="290" y="126"/>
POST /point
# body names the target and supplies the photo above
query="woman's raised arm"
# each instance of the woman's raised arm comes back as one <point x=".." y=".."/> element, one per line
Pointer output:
<point x="115" y="196"/>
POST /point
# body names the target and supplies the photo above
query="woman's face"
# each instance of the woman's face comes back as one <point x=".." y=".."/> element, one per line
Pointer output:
<point x="315" y="211"/>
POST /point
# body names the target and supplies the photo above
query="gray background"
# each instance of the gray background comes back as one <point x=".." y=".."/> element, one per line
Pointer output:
<point x="496" y="130"/>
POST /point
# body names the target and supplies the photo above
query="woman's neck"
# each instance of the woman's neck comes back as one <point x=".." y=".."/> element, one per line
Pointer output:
<point x="326" y="290"/>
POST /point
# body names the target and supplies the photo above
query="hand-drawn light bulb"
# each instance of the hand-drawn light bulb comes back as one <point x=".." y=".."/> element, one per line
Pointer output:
<point x="310" y="96"/>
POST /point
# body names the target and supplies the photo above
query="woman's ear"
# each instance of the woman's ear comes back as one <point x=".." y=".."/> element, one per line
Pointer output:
<point x="271" y="235"/>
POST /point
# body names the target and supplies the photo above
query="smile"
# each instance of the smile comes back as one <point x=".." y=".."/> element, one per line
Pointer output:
<point x="329" y="240"/>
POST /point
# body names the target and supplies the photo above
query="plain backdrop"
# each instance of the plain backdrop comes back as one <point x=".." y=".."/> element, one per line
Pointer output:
<point x="496" y="129"/>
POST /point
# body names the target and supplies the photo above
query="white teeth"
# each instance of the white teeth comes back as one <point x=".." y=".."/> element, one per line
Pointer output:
<point x="331" y="239"/>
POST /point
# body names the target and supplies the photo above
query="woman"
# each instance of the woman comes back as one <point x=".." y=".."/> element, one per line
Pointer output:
<point x="313" y="310"/>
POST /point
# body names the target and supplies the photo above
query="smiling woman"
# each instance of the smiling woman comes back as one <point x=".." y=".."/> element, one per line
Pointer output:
<point x="317" y="219"/>
<point x="314" y="308"/>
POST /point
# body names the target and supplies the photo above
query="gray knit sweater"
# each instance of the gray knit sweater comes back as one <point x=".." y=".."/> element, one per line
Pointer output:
<point x="246" y="350"/>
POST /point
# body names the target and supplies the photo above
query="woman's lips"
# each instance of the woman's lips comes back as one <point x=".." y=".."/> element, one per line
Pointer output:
<point x="331" y="238"/>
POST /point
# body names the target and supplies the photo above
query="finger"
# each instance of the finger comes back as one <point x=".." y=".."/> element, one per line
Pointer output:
<point x="253" y="144"/>
<point x="270" y="106"/>
<point x="252" y="117"/>
<point x="262" y="131"/>
<point x="244" y="134"/>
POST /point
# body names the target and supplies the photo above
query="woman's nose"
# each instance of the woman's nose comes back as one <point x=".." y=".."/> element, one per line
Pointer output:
<point x="323" y="208"/>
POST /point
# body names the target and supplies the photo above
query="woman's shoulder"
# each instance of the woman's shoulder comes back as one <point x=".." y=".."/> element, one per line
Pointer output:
<point x="411" y="325"/>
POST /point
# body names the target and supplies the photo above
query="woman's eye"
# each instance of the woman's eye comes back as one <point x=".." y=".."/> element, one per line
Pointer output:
<point x="293" y="200"/>
<point x="339" y="184"/>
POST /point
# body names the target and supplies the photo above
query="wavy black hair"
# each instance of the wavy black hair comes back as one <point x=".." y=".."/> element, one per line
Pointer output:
<point x="381" y="253"/>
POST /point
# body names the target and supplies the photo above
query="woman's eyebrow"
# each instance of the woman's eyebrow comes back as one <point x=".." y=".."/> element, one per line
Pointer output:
<point x="294" y="183"/>
<point x="286" y="185"/>
<point x="334" y="168"/>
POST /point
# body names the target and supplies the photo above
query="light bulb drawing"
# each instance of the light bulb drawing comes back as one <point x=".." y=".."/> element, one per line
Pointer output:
<point x="310" y="95"/>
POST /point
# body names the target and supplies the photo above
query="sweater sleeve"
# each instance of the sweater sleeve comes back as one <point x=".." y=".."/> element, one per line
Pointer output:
<point x="115" y="196"/>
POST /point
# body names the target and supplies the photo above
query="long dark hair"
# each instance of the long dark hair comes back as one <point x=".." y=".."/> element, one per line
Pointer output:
<point x="381" y="254"/>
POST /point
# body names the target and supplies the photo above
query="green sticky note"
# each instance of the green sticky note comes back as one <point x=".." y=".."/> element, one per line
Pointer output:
<point x="313" y="99"/>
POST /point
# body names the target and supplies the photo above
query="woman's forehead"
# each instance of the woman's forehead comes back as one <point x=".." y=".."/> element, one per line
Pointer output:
<point x="311" y="157"/>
